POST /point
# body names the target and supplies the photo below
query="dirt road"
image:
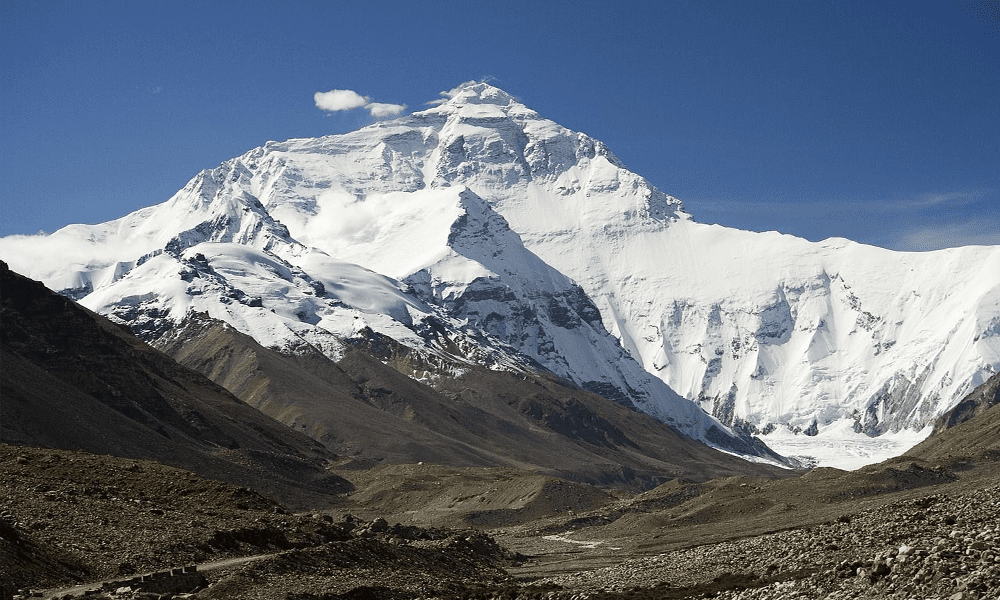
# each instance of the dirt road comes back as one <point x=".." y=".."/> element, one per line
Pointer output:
<point x="96" y="585"/>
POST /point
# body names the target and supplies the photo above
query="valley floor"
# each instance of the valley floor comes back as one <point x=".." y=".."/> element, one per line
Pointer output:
<point x="898" y="530"/>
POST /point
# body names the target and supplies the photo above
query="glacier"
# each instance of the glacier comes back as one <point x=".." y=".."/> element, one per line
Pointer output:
<point x="528" y="245"/>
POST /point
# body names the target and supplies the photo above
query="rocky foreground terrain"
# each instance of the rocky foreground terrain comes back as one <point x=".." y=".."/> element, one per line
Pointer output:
<point x="907" y="530"/>
<point x="937" y="546"/>
<point x="75" y="518"/>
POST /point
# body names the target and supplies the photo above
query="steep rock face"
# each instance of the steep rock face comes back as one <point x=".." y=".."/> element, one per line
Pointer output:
<point x="981" y="400"/>
<point x="480" y="219"/>
<point x="771" y="329"/>
<point x="970" y="430"/>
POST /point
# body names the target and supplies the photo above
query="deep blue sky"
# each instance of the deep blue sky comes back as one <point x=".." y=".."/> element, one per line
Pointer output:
<point x="877" y="121"/>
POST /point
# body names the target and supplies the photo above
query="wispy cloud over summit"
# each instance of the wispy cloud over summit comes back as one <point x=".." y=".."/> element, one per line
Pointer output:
<point x="946" y="235"/>
<point x="381" y="109"/>
<point x="950" y="198"/>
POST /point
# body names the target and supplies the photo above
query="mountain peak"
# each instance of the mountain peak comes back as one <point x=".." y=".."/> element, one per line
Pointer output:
<point x="477" y="92"/>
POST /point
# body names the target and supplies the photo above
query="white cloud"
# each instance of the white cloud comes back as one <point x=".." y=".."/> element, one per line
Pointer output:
<point x="458" y="88"/>
<point x="342" y="216"/>
<point x="46" y="256"/>
<point x="335" y="100"/>
<point x="381" y="109"/>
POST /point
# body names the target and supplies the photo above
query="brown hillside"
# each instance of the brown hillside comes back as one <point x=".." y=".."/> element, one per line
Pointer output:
<point x="72" y="379"/>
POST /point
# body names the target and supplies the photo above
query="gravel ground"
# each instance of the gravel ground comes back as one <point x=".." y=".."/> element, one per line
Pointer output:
<point x="939" y="546"/>
<point x="74" y="515"/>
<point x="387" y="566"/>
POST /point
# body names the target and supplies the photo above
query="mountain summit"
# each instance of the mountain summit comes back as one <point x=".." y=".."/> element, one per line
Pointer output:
<point x="477" y="232"/>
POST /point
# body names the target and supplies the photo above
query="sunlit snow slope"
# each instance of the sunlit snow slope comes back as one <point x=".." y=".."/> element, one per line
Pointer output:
<point x="531" y="242"/>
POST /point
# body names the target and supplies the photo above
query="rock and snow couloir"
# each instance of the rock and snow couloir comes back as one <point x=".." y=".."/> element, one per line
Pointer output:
<point x="526" y="244"/>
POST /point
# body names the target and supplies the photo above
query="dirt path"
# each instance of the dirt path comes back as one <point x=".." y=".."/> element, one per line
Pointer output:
<point x="202" y="567"/>
<point x="230" y="562"/>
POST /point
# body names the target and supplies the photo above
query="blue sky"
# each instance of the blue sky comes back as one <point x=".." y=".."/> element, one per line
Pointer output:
<point x="876" y="121"/>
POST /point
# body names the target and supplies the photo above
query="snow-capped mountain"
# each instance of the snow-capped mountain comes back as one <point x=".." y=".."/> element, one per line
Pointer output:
<point x="479" y="231"/>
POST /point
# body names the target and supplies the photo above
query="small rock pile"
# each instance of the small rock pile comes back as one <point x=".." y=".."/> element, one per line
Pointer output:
<point x="377" y="560"/>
